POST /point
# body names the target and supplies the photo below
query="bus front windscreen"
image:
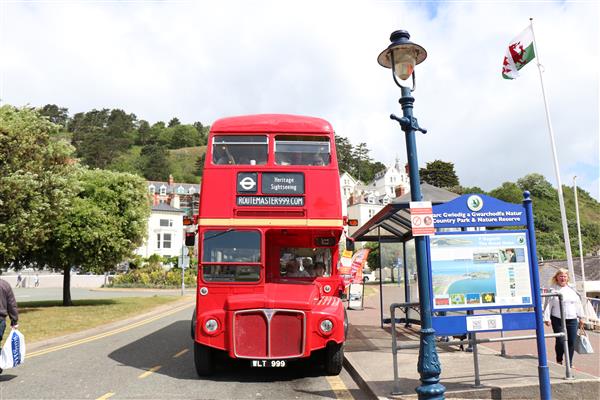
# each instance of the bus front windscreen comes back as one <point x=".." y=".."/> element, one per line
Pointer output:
<point x="231" y="256"/>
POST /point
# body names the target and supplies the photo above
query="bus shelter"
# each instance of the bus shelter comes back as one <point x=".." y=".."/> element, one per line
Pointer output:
<point x="391" y="228"/>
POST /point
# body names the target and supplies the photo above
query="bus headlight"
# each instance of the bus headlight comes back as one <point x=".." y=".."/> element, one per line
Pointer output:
<point x="211" y="325"/>
<point x="326" y="326"/>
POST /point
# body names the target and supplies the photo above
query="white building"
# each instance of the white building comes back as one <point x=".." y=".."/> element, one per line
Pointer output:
<point x="165" y="232"/>
<point x="362" y="211"/>
<point x="347" y="186"/>
<point x="393" y="181"/>
<point x="362" y="202"/>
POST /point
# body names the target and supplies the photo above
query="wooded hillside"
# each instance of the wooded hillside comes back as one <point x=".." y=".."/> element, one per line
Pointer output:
<point x="119" y="141"/>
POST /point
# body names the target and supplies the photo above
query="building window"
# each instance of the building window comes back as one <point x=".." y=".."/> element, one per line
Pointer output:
<point x="166" y="240"/>
<point x="180" y="190"/>
<point x="166" y="222"/>
<point x="163" y="190"/>
<point x="192" y="190"/>
<point x="151" y="189"/>
<point x="158" y="240"/>
<point x="371" y="213"/>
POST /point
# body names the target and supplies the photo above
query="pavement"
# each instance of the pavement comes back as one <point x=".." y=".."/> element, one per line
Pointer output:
<point x="369" y="360"/>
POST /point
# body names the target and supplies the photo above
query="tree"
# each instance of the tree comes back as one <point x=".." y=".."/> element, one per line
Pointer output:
<point x="466" y="189"/>
<point x="100" y="136"/>
<point x="203" y="131"/>
<point x="509" y="192"/>
<point x="34" y="185"/>
<point x="344" y="153"/>
<point x="184" y="136"/>
<point x="174" y="122"/>
<point x="361" y="161"/>
<point x="155" y="163"/>
<point x="57" y="115"/>
<point x="143" y="131"/>
<point x="440" y="174"/>
<point x="373" y="257"/>
<point x="104" y="223"/>
<point x="199" y="164"/>
<point x="537" y="185"/>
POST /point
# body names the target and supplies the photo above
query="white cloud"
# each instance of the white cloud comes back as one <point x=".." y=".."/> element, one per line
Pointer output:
<point x="205" y="60"/>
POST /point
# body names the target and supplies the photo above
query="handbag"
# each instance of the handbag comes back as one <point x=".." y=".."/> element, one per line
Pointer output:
<point x="583" y="344"/>
<point x="13" y="351"/>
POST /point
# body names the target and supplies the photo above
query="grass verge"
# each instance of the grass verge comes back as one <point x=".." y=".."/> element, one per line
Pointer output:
<point x="40" y="320"/>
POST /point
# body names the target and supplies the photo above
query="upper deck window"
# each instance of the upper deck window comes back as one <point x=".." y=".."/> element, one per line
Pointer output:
<point x="239" y="150"/>
<point x="231" y="256"/>
<point x="302" y="150"/>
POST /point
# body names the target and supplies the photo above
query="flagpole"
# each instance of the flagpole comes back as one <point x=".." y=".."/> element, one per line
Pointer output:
<point x="561" y="201"/>
<point x="579" y="239"/>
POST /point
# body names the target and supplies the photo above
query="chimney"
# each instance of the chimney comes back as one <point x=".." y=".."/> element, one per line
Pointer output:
<point x="407" y="169"/>
<point x="400" y="191"/>
<point x="170" y="180"/>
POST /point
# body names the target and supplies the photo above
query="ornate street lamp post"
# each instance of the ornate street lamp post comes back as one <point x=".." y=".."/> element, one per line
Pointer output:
<point x="401" y="56"/>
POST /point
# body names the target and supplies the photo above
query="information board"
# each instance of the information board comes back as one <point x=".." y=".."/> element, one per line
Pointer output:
<point x="480" y="270"/>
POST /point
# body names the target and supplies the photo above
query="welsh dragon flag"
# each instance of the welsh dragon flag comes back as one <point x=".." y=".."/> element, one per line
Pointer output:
<point x="520" y="51"/>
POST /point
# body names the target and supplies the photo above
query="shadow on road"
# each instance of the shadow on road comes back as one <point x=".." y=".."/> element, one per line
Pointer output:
<point x="160" y="347"/>
<point x="5" y="377"/>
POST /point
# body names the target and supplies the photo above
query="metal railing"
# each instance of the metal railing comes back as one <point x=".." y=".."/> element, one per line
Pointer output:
<point x="473" y="341"/>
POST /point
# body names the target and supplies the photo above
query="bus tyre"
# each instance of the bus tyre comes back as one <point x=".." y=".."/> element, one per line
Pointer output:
<point x="334" y="358"/>
<point x="346" y="325"/>
<point x="203" y="357"/>
<point x="193" y="327"/>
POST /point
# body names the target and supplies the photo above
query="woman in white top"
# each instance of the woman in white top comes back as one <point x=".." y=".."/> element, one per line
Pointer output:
<point x="573" y="311"/>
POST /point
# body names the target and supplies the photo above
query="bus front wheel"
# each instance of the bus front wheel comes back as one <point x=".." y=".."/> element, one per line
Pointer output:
<point x="203" y="358"/>
<point x="334" y="358"/>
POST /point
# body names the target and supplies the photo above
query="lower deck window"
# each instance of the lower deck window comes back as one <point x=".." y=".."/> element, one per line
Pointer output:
<point x="305" y="262"/>
<point x="231" y="273"/>
<point x="231" y="256"/>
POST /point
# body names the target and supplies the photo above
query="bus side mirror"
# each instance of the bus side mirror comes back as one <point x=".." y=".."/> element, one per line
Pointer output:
<point x="190" y="239"/>
<point x="349" y="244"/>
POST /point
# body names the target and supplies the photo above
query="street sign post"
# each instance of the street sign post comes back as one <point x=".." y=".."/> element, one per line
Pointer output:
<point x="421" y="218"/>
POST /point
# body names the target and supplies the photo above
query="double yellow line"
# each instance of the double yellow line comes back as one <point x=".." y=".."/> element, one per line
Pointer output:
<point x="109" y="333"/>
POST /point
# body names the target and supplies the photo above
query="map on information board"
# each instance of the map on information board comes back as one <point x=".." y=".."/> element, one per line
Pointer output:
<point x="480" y="270"/>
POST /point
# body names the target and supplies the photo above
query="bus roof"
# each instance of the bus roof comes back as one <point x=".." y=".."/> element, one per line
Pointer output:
<point x="267" y="123"/>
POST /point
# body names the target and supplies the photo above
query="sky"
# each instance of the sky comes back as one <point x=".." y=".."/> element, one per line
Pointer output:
<point x="203" y="60"/>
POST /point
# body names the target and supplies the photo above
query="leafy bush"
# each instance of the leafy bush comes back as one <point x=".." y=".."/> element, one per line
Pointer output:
<point x="152" y="275"/>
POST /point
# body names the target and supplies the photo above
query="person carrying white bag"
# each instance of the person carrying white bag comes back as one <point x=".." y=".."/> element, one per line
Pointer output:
<point x="8" y="307"/>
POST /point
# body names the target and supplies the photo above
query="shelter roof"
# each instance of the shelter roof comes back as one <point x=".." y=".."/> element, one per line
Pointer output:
<point x="392" y="223"/>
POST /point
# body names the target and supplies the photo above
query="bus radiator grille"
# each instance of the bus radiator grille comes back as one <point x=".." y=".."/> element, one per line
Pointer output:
<point x="269" y="333"/>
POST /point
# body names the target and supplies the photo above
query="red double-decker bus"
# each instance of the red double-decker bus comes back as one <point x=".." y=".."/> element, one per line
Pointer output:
<point x="269" y="224"/>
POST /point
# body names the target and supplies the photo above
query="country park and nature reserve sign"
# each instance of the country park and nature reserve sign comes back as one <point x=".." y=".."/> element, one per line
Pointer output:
<point x="475" y="269"/>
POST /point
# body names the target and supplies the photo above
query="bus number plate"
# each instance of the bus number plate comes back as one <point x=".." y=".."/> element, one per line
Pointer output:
<point x="268" y="363"/>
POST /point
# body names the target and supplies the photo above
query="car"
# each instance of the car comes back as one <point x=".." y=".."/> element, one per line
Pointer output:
<point x="369" y="276"/>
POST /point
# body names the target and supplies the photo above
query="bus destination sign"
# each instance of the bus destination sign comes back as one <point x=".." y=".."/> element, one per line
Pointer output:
<point x="271" y="201"/>
<point x="282" y="183"/>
